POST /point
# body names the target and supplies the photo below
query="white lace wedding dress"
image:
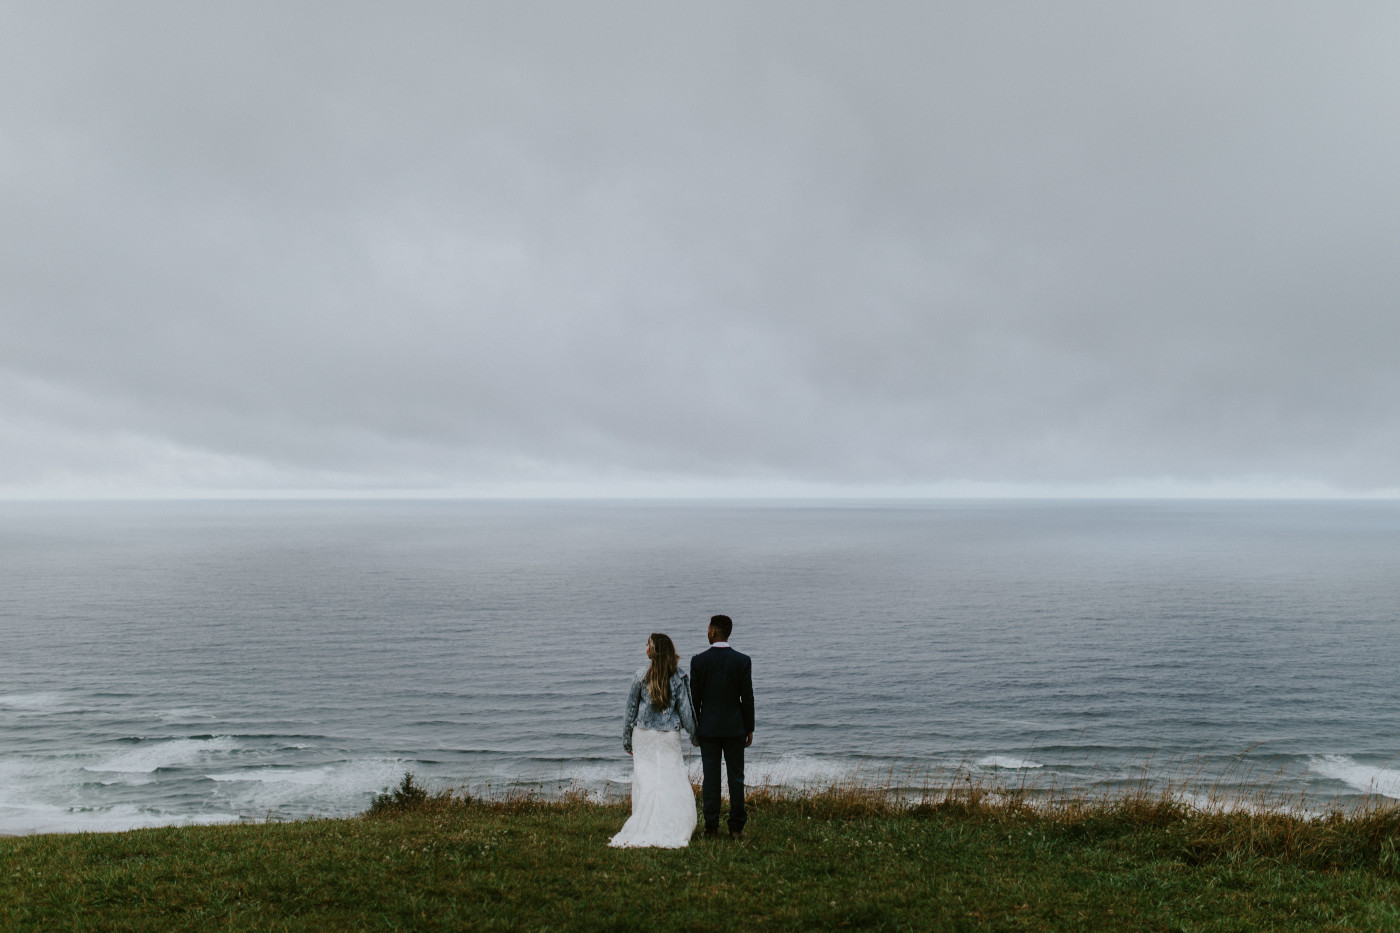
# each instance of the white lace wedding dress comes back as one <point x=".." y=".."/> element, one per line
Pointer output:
<point x="663" y="802"/>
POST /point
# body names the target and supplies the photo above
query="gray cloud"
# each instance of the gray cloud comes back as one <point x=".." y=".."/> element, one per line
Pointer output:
<point x="364" y="245"/>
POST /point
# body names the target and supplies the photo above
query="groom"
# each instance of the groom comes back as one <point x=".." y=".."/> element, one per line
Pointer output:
<point x="721" y="684"/>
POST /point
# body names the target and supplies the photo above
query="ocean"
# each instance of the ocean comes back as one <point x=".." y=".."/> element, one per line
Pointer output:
<point x="193" y="662"/>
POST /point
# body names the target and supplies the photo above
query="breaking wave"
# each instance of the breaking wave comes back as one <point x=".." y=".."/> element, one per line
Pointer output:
<point x="149" y="757"/>
<point x="1368" y="779"/>
<point x="1008" y="763"/>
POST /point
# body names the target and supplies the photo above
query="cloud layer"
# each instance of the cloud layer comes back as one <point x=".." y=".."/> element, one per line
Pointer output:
<point x="364" y="246"/>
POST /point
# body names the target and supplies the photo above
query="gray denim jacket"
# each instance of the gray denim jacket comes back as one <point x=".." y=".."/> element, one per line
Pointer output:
<point x="678" y="717"/>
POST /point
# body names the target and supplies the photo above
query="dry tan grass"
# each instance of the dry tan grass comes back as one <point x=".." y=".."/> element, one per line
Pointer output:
<point x="1286" y="828"/>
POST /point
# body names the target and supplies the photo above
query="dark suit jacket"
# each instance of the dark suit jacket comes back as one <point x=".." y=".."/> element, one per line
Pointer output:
<point x="721" y="684"/>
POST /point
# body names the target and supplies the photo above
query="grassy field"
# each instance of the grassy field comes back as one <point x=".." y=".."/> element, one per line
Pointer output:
<point x="844" y="859"/>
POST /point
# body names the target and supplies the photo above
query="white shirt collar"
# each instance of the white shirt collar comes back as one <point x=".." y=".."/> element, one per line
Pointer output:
<point x="720" y="644"/>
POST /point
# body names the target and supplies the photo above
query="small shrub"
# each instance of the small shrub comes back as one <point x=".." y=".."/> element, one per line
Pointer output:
<point x="407" y="797"/>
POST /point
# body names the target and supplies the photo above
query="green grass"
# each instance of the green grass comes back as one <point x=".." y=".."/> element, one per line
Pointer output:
<point x="843" y="859"/>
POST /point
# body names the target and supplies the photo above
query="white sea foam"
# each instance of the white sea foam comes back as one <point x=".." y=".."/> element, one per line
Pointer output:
<point x="30" y="700"/>
<point x="794" y="771"/>
<point x="46" y="796"/>
<point x="340" y="788"/>
<point x="276" y="775"/>
<point x="43" y="795"/>
<point x="15" y="774"/>
<point x="50" y="818"/>
<point x="1008" y="763"/>
<point x="1368" y="779"/>
<point x="771" y="771"/>
<point x="1224" y="803"/>
<point x="127" y="780"/>
<point x="166" y="753"/>
<point x="583" y="775"/>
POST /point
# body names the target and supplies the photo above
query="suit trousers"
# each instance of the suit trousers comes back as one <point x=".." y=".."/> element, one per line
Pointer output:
<point x="732" y="750"/>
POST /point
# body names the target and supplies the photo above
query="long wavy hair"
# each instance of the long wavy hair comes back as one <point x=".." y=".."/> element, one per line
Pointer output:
<point x="664" y="662"/>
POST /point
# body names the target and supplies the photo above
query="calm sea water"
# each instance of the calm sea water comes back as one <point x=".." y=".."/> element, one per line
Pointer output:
<point x="189" y="662"/>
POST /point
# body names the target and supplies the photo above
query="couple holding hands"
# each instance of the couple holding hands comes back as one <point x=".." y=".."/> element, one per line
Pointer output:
<point x="714" y="706"/>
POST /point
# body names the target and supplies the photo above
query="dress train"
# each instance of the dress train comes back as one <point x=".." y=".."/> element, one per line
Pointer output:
<point x="663" y="802"/>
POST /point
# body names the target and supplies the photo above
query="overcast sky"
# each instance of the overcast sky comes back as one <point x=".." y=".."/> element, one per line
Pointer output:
<point x="725" y="248"/>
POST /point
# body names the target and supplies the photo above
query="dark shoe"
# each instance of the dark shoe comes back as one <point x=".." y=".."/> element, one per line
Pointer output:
<point x="711" y="832"/>
<point x="736" y="834"/>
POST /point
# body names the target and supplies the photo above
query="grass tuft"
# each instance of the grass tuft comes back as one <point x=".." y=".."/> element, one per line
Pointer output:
<point x="1336" y="841"/>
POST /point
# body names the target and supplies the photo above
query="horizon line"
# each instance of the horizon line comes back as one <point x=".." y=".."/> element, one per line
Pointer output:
<point x="395" y="495"/>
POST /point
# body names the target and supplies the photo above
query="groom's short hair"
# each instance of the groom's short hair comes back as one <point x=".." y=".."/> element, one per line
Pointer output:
<point x="723" y="624"/>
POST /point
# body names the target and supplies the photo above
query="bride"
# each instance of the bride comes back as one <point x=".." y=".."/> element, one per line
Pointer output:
<point x="658" y="709"/>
